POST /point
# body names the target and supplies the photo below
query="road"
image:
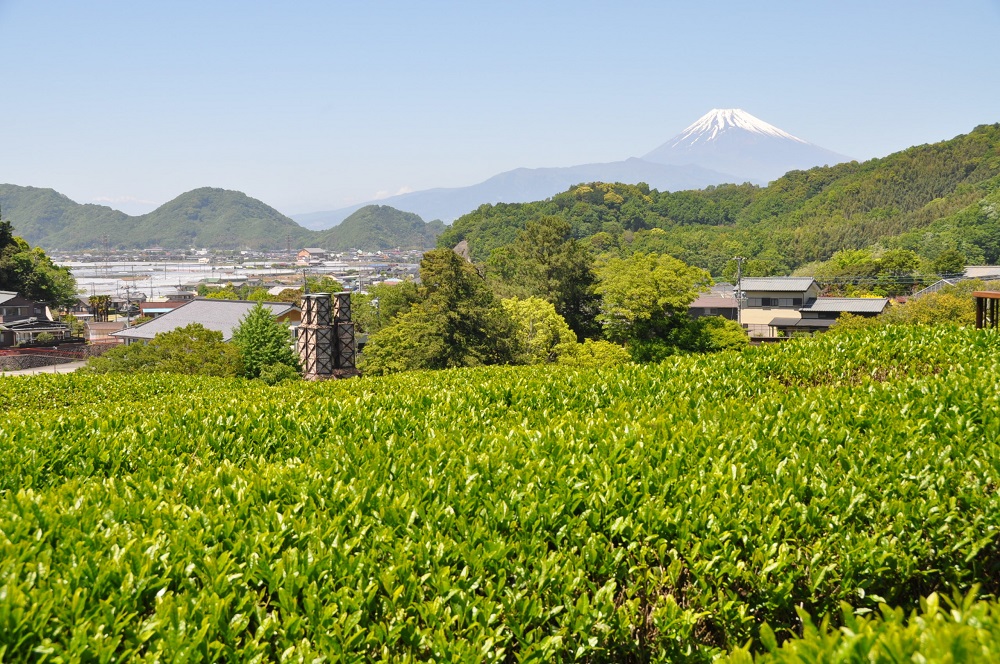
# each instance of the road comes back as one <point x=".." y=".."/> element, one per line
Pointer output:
<point x="51" y="368"/>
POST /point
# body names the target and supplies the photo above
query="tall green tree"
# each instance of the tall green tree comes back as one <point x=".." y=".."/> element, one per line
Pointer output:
<point x="645" y="297"/>
<point x="381" y="305"/>
<point x="546" y="261"/>
<point x="541" y="334"/>
<point x="457" y="322"/>
<point x="30" y="272"/>
<point x="263" y="342"/>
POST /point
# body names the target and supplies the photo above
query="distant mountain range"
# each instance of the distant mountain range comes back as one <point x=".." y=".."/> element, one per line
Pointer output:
<point x="530" y="184"/>
<point x="734" y="141"/>
<point x="723" y="146"/>
<point x="206" y="217"/>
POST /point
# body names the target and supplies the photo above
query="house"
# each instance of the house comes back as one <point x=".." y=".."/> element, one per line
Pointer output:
<point x="776" y="306"/>
<point x="155" y="309"/>
<point x="220" y="315"/>
<point x="14" y="307"/>
<point x="821" y="313"/>
<point x="714" y="304"/>
<point x="311" y="256"/>
<point x="23" y="320"/>
<point x="27" y="330"/>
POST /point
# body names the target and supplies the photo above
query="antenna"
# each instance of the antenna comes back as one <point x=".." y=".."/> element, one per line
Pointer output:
<point x="739" y="289"/>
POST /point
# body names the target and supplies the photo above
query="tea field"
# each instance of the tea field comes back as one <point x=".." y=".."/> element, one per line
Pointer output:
<point x="827" y="499"/>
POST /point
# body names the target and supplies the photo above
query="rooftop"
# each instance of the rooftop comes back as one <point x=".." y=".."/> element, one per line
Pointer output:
<point x="714" y="301"/>
<point x="219" y="315"/>
<point x="865" y="305"/>
<point x="777" y="284"/>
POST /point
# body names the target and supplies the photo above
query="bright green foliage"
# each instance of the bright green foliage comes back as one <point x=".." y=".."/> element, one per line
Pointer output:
<point x="457" y="322"/>
<point x="272" y="374"/>
<point x="31" y="273"/>
<point x="594" y="354"/>
<point x="950" y="262"/>
<point x="882" y="273"/>
<point x="323" y="283"/>
<point x="380" y="306"/>
<point x="262" y="341"/>
<point x="962" y="631"/>
<point x="711" y="334"/>
<point x="546" y="261"/>
<point x="660" y="513"/>
<point x="952" y="304"/>
<point x="187" y="350"/>
<point x="540" y="334"/>
<point x="645" y="297"/>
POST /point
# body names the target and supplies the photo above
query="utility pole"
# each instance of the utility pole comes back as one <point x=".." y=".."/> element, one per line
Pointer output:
<point x="739" y="289"/>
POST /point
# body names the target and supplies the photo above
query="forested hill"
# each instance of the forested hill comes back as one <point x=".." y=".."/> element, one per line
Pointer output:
<point x="206" y="217"/>
<point x="927" y="198"/>
<point x="381" y="227"/>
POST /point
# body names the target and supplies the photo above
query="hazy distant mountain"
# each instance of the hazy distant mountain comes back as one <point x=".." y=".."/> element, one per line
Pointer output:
<point x="206" y="217"/>
<point x="40" y="214"/>
<point x="728" y="145"/>
<point x="530" y="184"/>
<point x="733" y="141"/>
<point x="380" y="227"/>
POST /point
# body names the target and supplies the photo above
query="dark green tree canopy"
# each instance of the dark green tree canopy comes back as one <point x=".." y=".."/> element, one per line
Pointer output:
<point x="31" y="273"/>
<point x="456" y="322"/>
<point x="546" y="261"/>
<point x="262" y="341"/>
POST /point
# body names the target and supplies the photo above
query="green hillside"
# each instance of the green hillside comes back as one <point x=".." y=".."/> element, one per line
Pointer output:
<point x="206" y="217"/>
<point x="928" y="198"/>
<point x="220" y="219"/>
<point x="381" y="227"/>
<point x="44" y="217"/>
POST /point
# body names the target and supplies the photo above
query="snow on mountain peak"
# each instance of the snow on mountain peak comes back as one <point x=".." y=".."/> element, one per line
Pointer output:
<point x="709" y="126"/>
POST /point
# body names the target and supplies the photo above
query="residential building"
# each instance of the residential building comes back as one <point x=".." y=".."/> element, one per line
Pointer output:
<point x="23" y="320"/>
<point x="776" y="306"/>
<point x="220" y="315"/>
<point x="14" y="307"/>
<point x="713" y="304"/>
<point x="311" y="256"/>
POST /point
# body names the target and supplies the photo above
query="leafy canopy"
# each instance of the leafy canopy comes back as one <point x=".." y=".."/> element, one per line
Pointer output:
<point x="262" y="341"/>
<point x="31" y="273"/>
<point x="456" y="322"/>
<point x="192" y="350"/>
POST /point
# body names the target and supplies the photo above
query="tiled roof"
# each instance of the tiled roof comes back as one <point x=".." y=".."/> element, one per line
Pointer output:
<point x="6" y="296"/>
<point x="861" y="305"/>
<point x="714" y="302"/>
<point x="802" y="322"/>
<point x="220" y="315"/>
<point x="777" y="284"/>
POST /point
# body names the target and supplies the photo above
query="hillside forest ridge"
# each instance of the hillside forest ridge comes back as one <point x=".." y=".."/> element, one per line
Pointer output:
<point x="926" y="200"/>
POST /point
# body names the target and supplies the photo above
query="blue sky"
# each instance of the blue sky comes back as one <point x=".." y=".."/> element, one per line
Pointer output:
<point x="316" y="105"/>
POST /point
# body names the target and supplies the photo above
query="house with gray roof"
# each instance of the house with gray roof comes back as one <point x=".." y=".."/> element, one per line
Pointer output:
<point x="777" y="306"/>
<point x="219" y="315"/>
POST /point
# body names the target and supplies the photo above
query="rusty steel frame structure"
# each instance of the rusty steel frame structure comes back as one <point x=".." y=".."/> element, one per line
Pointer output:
<point x="987" y="309"/>
<point x="326" y="342"/>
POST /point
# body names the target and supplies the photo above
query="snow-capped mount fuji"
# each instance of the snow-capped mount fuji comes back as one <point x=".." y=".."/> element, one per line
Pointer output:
<point x="733" y="141"/>
<point x="728" y="145"/>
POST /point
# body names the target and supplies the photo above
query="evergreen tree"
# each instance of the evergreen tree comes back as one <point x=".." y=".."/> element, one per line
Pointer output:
<point x="263" y="341"/>
<point x="457" y="322"/>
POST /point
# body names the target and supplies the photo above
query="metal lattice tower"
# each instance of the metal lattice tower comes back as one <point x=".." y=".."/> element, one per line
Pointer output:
<point x="326" y="343"/>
